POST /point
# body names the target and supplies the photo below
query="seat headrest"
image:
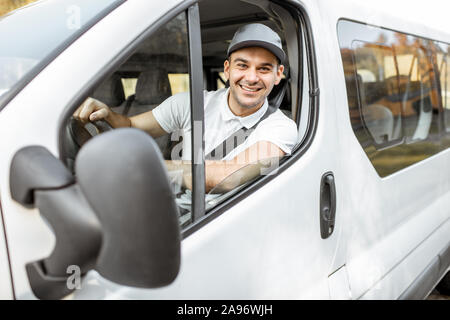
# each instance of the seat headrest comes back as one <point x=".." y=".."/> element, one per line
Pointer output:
<point x="110" y="91"/>
<point x="153" y="87"/>
<point x="278" y="93"/>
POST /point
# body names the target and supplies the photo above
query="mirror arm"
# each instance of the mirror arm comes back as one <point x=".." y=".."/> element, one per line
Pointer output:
<point x="35" y="168"/>
<point x="39" y="180"/>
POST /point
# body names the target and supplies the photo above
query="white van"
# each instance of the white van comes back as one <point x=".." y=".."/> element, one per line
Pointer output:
<point x="359" y="210"/>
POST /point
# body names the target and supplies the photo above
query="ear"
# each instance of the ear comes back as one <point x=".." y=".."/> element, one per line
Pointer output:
<point x="226" y="69"/>
<point x="279" y="74"/>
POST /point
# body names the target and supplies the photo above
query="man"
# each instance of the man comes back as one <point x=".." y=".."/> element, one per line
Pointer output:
<point x="253" y="67"/>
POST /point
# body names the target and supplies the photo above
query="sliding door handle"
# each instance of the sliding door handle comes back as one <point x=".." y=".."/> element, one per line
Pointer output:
<point x="327" y="205"/>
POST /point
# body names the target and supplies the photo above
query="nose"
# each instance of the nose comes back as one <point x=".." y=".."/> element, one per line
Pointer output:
<point x="251" y="75"/>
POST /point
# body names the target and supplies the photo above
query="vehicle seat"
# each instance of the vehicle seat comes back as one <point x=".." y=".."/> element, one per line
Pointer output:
<point x="378" y="118"/>
<point x="152" y="88"/>
<point x="110" y="92"/>
<point x="279" y="97"/>
<point x="380" y="122"/>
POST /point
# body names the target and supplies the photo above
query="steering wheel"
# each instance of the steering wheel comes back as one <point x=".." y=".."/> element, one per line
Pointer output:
<point x="80" y="135"/>
<point x="77" y="135"/>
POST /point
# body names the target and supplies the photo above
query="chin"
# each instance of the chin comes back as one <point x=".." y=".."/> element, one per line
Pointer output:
<point x="250" y="104"/>
<point x="245" y="101"/>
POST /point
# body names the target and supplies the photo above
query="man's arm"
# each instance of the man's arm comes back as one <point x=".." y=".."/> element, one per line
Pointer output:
<point x="146" y="121"/>
<point x="217" y="171"/>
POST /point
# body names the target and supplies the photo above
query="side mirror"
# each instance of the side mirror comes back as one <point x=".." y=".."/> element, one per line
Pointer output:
<point x="38" y="179"/>
<point x="123" y="177"/>
<point x="119" y="217"/>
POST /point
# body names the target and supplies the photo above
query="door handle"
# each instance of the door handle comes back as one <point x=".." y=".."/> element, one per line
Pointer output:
<point x="327" y="205"/>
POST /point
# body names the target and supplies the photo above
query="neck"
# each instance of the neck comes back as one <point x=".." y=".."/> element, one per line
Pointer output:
<point x="240" y="111"/>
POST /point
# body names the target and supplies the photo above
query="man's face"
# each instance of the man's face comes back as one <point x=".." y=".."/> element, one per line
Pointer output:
<point x="252" y="73"/>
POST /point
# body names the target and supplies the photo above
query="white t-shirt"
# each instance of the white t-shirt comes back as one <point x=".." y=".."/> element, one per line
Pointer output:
<point x="174" y="117"/>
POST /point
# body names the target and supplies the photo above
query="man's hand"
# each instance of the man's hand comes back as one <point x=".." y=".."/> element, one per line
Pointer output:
<point x="92" y="110"/>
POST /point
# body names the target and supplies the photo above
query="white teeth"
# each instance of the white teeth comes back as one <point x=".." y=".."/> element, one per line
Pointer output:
<point x="249" y="89"/>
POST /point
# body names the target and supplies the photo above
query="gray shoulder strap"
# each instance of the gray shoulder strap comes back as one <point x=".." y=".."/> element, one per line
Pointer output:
<point x="235" y="139"/>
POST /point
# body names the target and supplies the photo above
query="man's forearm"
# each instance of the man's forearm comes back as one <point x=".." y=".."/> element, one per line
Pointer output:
<point x="117" y="120"/>
<point x="215" y="171"/>
<point x="185" y="167"/>
<point x="260" y="156"/>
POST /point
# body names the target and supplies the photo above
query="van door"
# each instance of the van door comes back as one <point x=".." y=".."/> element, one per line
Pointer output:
<point x="265" y="241"/>
<point x="275" y="238"/>
<point x="391" y="130"/>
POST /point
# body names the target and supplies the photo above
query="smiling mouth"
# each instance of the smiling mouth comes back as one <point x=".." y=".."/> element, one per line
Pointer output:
<point x="249" y="89"/>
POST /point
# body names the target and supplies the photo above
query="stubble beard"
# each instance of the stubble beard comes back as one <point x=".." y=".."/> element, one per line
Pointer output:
<point x="243" y="105"/>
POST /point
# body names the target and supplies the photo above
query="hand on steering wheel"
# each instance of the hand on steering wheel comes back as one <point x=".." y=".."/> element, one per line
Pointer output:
<point x="80" y="135"/>
<point x="90" y="111"/>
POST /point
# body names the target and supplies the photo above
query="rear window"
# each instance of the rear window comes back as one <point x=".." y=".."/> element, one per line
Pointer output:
<point x="32" y="35"/>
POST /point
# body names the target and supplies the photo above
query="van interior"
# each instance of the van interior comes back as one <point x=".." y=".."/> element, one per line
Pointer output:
<point x="159" y="67"/>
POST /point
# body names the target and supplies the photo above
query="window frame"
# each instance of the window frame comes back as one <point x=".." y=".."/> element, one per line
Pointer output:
<point x="306" y="49"/>
<point x="197" y="113"/>
<point x="123" y="56"/>
<point x="444" y="107"/>
<point x="299" y="13"/>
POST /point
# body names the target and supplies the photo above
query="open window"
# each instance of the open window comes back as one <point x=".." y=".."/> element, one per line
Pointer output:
<point x="159" y="71"/>
<point x="219" y="21"/>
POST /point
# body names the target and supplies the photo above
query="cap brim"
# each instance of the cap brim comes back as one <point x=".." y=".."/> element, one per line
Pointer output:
<point x="279" y="53"/>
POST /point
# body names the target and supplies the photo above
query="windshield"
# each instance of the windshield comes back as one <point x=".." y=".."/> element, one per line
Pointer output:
<point x="32" y="35"/>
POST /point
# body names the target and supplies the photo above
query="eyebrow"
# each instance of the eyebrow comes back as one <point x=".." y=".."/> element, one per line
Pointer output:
<point x="265" y="64"/>
<point x="240" y="60"/>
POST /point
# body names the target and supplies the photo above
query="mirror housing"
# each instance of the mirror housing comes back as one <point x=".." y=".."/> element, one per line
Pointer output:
<point x="38" y="179"/>
<point x="123" y="177"/>
<point x="119" y="218"/>
<point x="35" y="168"/>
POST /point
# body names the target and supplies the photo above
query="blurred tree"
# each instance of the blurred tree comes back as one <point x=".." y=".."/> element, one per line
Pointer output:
<point x="9" y="5"/>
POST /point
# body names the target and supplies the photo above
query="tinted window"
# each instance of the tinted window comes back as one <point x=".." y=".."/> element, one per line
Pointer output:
<point x="393" y="93"/>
